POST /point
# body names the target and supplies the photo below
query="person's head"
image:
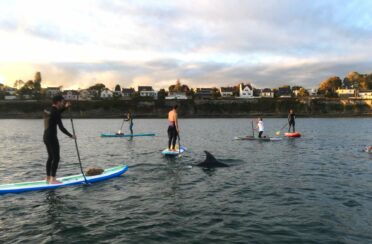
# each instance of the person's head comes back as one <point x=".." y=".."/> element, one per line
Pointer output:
<point x="58" y="101"/>
<point x="291" y="111"/>
<point x="175" y="107"/>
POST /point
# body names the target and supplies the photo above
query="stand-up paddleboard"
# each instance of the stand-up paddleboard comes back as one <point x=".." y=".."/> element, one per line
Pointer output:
<point x="251" y="138"/>
<point x="126" y="135"/>
<point x="66" y="181"/>
<point x="178" y="151"/>
<point x="293" y="134"/>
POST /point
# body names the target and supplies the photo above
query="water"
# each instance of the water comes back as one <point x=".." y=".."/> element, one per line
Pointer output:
<point x="316" y="189"/>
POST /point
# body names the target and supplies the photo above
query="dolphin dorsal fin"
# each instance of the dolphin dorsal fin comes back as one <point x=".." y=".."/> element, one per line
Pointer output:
<point x="210" y="158"/>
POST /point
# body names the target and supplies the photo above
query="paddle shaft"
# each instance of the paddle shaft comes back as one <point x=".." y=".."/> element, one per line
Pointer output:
<point x="252" y="129"/>
<point x="121" y="127"/>
<point x="179" y="143"/>
<point x="77" y="149"/>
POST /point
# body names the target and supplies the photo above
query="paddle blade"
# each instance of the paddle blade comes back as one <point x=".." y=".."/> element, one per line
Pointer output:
<point x="277" y="133"/>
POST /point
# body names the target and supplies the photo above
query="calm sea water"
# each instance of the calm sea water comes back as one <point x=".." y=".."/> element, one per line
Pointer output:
<point x="315" y="189"/>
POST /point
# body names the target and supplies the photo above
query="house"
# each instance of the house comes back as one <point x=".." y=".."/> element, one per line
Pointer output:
<point x="52" y="91"/>
<point x="204" y="93"/>
<point x="365" y="94"/>
<point x="147" y="91"/>
<point x="85" y="95"/>
<point x="285" y="92"/>
<point x="2" y="86"/>
<point x="312" y="92"/>
<point x="106" y="94"/>
<point x="227" y="91"/>
<point x="10" y="91"/>
<point x="267" y="92"/>
<point x="176" y="95"/>
<point x="346" y="93"/>
<point x="70" y="95"/>
<point x="127" y="92"/>
<point x="245" y="91"/>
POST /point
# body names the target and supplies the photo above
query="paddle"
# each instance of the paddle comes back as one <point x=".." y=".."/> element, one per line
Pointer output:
<point x="252" y="129"/>
<point x="179" y="144"/>
<point x="77" y="148"/>
<point x="279" y="131"/>
<point x="121" y="127"/>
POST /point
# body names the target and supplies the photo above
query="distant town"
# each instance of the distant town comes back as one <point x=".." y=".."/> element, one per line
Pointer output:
<point x="353" y="86"/>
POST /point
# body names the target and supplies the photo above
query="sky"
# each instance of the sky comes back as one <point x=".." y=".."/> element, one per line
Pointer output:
<point x="77" y="43"/>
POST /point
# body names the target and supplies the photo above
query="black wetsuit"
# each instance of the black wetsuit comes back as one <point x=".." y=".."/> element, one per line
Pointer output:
<point x="51" y="140"/>
<point x="291" y="122"/>
<point x="172" y="135"/>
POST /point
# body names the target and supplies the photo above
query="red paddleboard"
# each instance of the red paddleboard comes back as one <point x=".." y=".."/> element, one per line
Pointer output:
<point x="293" y="134"/>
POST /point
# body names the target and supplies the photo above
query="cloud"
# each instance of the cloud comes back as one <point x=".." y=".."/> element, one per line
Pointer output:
<point x="205" y="42"/>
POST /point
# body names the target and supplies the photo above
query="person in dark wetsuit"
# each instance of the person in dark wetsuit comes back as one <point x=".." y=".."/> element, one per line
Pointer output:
<point x="130" y="119"/>
<point x="291" y="121"/>
<point x="50" y="136"/>
<point x="173" y="128"/>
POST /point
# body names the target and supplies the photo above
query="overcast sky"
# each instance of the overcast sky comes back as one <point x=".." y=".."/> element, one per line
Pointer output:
<point x="76" y="43"/>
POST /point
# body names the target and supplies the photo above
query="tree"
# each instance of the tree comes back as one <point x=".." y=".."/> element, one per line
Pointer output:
<point x="18" y="84"/>
<point x="117" y="88"/>
<point x="302" y="92"/>
<point x="97" y="88"/>
<point x="162" y="94"/>
<point x="27" y="89"/>
<point x="178" y="87"/>
<point x="329" y="86"/>
<point x="216" y="92"/>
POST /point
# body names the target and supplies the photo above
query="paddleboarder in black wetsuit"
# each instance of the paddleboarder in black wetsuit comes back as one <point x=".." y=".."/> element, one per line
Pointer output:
<point x="291" y="121"/>
<point x="173" y="128"/>
<point x="130" y="119"/>
<point x="50" y="136"/>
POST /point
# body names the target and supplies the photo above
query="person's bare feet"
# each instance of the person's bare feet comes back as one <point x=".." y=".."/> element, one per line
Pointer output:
<point x="53" y="181"/>
<point x="47" y="179"/>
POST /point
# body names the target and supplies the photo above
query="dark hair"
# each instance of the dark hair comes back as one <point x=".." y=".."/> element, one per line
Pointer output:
<point x="175" y="106"/>
<point x="58" y="98"/>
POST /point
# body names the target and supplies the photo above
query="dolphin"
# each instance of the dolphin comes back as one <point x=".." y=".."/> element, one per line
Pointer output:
<point x="211" y="162"/>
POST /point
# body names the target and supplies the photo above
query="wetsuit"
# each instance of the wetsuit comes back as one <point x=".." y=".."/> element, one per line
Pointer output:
<point x="172" y="135"/>
<point x="130" y="119"/>
<point x="51" y="140"/>
<point x="291" y="122"/>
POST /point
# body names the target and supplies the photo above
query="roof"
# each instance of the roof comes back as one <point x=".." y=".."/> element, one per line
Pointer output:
<point x="267" y="90"/>
<point x="227" y="89"/>
<point x="72" y="91"/>
<point x="145" y="88"/>
<point x="204" y="91"/>
<point x="127" y="90"/>
<point x="53" y="88"/>
<point x="246" y="85"/>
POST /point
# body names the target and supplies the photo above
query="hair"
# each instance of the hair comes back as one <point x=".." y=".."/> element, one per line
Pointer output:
<point x="57" y="98"/>
<point x="260" y="118"/>
<point x="175" y="106"/>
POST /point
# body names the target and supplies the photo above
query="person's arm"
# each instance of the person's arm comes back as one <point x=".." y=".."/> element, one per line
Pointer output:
<point x="289" y="118"/>
<point x="62" y="128"/>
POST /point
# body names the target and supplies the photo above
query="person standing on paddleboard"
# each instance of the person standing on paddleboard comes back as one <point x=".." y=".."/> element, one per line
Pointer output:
<point x="260" y="126"/>
<point x="50" y="136"/>
<point x="130" y="119"/>
<point x="173" y="128"/>
<point x="291" y="121"/>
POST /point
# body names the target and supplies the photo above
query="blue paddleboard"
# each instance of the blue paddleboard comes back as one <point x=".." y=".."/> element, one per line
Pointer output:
<point x="66" y="181"/>
<point x="174" y="153"/>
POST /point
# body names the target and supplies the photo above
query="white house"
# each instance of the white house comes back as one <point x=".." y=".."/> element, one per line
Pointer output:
<point x="227" y="91"/>
<point x="85" y="95"/>
<point x="147" y="91"/>
<point x="267" y="92"/>
<point x="346" y="93"/>
<point x="176" y="95"/>
<point x="10" y="91"/>
<point x="52" y="91"/>
<point x="312" y="92"/>
<point x="106" y="94"/>
<point x="10" y="97"/>
<point x="70" y="95"/>
<point x="365" y="94"/>
<point x="245" y="91"/>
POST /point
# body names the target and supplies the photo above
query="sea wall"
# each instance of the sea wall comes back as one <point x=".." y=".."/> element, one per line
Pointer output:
<point x="220" y="108"/>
